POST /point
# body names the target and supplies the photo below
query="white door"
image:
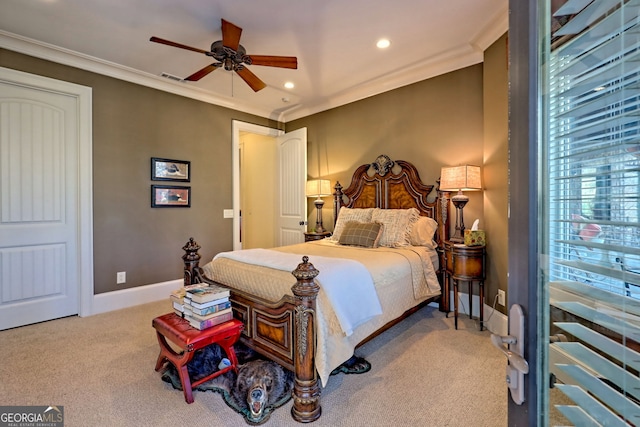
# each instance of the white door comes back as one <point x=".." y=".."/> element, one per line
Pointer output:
<point x="292" y="204"/>
<point x="39" y="204"/>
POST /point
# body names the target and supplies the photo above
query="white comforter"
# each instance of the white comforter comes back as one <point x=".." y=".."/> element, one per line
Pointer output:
<point x="347" y="283"/>
<point x="402" y="277"/>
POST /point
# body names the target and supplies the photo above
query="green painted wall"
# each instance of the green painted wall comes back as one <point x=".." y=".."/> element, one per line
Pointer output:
<point x="496" y="163"/>
<point x="433" y="123"/>
<point x="456" y="118"/>
<point x="131" y="124"/>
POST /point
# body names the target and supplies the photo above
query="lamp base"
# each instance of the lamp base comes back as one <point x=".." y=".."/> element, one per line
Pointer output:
<point x="319" y="203"/>
<point x="459" y="201"/>
<point x="458" y="236"/>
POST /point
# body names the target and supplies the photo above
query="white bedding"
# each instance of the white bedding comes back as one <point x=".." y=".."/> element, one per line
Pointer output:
<point x="347" y="283"/>
<point x="403" y="277"/>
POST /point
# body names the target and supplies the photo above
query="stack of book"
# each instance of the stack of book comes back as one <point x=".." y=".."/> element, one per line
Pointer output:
<point x="207" y="306"/>
<point x="177" y="297"/>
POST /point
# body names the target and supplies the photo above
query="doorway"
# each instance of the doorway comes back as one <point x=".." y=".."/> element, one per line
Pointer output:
<point x="258" y="172"/>
<point x="277" y="204"/>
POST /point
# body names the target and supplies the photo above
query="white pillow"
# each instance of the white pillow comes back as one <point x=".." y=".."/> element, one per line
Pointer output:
<point x="397" y="225"/>
<point x="423" y="231"/>
<point x="347" y="215"/>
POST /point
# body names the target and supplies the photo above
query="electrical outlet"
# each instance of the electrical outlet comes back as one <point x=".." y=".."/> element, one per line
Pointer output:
<point x="501" y="298"/>
<point x="121" y="277"/>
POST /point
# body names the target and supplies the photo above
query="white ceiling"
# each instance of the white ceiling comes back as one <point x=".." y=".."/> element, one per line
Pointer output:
<point x="334" y="41"/>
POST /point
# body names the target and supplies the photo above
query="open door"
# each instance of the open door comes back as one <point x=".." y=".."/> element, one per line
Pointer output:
<point x="292" y="205"/>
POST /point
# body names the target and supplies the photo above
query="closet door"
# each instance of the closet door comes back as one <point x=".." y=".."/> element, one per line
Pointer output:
<point x="40" y="206"/>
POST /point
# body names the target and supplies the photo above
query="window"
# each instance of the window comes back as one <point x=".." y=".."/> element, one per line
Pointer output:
<point x="591" y="201"/>
<point x="594" y="154"/>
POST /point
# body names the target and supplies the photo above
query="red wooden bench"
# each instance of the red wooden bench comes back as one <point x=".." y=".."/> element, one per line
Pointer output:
<point x="189" y="339"/>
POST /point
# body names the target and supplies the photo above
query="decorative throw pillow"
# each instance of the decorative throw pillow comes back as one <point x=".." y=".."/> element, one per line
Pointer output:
<point x="348" y="214"/>
<point x="423" y="231"/>
<point x="397" y="225"/>
<point x="365" y="234"/>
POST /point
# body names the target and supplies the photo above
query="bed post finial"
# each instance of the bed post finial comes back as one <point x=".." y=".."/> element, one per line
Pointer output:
<point x="337" y="201"/>
<point x="191" y="260"/>
<point x="306" y="390"/>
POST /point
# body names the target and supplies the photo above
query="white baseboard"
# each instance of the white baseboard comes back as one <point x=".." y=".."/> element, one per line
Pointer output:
<point x="130" y="297"/>
<point x="497" y="323"/>
<point x="494" y="321"/>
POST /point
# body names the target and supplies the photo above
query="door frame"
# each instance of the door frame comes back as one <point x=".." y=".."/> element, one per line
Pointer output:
<point x="237" y="127"/>
<point x="83" y="96"/>
<point x="523" y="264"/>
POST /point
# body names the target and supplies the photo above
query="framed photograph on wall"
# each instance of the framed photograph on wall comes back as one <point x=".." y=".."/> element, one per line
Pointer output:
<point x="170" y="196"/>
<point x="170" y="170"/>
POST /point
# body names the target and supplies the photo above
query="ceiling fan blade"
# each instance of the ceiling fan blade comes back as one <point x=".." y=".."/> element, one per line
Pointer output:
<point x="275" y="61"/>
<point x="203" y="72"/>
<point x="230" y="35"/>
<point x="251" y="79"/>
<point x="174" y="44"/>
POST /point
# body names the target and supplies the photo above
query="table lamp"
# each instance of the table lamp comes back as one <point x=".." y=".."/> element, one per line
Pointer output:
<point x="318" y="188"/>
<point x="460" y="178"/>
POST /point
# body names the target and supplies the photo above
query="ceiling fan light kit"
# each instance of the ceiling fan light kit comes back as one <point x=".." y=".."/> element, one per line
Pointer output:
<point x="232" y="56"/>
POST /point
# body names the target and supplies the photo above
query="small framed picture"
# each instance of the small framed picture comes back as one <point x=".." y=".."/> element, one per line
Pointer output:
<point x="170" y="170"/>
<point x="170" y="196"/>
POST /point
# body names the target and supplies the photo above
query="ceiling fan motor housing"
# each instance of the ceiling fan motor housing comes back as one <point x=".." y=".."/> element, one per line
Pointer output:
<point x="231" y="59"/>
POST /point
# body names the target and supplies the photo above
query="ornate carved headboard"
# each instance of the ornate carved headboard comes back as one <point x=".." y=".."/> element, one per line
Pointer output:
<point x="389" y="184"/>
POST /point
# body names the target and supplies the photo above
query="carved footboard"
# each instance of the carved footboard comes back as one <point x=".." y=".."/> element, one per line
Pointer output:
<point x="284" y="331"/>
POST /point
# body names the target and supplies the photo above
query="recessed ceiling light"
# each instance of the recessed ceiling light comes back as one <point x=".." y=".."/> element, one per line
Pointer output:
<point x="383" y="43"/>
<point x="289" y="85"/>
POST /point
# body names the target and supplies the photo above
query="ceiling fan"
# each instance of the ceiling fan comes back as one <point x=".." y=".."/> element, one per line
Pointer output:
<point x="231" y="55"/>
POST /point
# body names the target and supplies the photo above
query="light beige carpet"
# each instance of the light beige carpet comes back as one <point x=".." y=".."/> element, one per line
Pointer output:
<point x="100" y="369"/>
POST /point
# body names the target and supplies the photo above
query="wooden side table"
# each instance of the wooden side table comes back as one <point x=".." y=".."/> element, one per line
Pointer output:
<point x="466" y="263"/>
<point x="310" y="236"/>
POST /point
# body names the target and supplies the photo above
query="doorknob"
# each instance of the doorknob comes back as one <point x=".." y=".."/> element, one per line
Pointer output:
<point x="517" y="366"/>
<point x="514" y="360"/>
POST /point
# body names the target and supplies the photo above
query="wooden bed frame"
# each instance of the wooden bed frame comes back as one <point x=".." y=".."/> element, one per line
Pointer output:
<point x="285" y="331"/>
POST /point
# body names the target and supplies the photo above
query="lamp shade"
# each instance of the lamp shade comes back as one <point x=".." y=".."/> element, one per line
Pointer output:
<point x="460" y="178"/>
<point x="318" y="188"/>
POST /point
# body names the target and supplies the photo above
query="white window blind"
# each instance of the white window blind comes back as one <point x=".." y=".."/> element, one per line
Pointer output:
<point x="593" y="164"/>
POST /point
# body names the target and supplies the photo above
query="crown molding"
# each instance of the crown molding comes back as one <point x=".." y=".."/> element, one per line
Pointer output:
<point x="495" y="29"/>
<point x="71" y="58"/>
<point x="446" y="62"/>
<point x="451" y="60"/>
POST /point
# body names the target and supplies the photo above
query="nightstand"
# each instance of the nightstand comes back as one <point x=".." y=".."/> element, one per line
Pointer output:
<point x="467" y="264"/>
<point x="308" y="237"/>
